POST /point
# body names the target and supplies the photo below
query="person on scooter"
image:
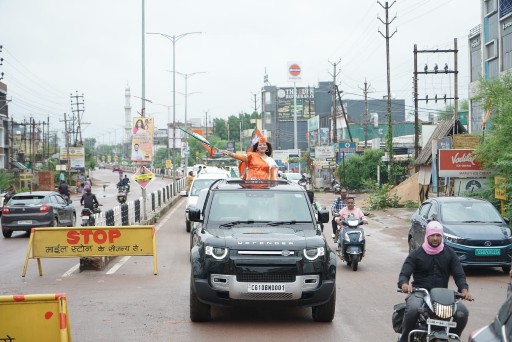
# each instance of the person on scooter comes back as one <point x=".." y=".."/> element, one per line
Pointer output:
<point x="64" y="190"/>
<point x="349" y="210"/>
<point x="337" y="205"/>
<point x="89" y="199"/>
<point x="431" y="267"/>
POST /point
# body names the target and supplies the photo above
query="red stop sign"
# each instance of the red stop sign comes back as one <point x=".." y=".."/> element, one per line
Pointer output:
<point x="294" y="70"/>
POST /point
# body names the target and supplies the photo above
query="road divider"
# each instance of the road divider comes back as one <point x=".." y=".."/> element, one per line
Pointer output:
<point x="77" y="242"/>
<point x="35" y="317"/>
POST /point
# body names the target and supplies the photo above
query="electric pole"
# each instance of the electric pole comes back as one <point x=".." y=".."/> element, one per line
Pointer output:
<point x="389" y="136"/>
<point x="334" y="109"/>
<point x="366" y="90"/>
<point x="77" y="107"/>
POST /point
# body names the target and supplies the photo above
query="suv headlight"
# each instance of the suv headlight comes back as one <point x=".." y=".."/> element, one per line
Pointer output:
<point x="453" y="238"/>
<point x="218" y="253"/>
<point x="313" y="253"/>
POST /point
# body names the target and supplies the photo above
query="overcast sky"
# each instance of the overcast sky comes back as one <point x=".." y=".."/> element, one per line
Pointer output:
<point x="53" y="48"/>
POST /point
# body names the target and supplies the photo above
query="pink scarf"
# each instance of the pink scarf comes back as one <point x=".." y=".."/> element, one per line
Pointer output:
<point x="431" y="230"/>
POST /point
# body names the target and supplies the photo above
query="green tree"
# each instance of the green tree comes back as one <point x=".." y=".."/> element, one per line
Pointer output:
<point x="495" y="151"/>
<point x="359" y="169"/>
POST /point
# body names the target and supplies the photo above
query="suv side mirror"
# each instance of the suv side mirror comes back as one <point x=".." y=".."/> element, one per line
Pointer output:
<point x="323" y="216"/>
<point x="194" y="214"/>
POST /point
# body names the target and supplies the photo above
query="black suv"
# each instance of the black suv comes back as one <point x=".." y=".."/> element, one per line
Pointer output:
<point x="259" y="243"/>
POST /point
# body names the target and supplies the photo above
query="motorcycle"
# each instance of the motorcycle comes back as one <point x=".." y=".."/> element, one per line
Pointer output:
<point x="122" y="193"/>
<point x="351" y="242"/>
<point x="336" y="187"/>
<point x="87" y="215"/>
<point x="435" y="316"/>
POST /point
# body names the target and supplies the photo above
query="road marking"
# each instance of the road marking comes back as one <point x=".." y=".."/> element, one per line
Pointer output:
<point x="118" y="265"/>
<point x="71" y="270"/>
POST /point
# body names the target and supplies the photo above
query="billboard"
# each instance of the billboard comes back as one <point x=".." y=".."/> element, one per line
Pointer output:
<point x="461" y="164"/>
<point x="305" y="99"/>
<point x="75" y="155"/>
<point x="142" y="139"/>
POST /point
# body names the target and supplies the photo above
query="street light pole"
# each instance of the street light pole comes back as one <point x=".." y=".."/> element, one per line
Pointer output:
<point x="186" y="76"/>
<point x="173" y="40"/>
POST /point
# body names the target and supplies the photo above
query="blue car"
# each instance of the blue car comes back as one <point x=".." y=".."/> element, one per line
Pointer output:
<point x="472" y="227"/>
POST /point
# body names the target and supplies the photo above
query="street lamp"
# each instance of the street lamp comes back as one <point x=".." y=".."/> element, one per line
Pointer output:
<point x="186" y="76"/>
<point x="173" y="40"/>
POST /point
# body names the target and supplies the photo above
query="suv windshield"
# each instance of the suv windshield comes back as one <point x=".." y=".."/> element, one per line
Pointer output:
<point x="229" y="206"/>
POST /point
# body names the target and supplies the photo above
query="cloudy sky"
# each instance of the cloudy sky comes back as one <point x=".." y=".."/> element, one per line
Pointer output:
<point x="53" y="48"/>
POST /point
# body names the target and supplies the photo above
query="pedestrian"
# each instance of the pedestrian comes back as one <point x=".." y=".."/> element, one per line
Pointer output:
<point x="62" y="177"/>
<point x="162" y="171"/>
<point x="431" y="266"/>
<point x="337" y="205"/>
<point x="190" y="179"/>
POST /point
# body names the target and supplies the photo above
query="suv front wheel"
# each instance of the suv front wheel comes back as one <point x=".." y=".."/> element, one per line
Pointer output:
<point x="199" y="312"/>
<point x="325" y="312"/>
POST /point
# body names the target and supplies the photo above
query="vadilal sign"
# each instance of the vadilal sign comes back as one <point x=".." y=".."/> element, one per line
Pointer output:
<point x="460" y="163"/>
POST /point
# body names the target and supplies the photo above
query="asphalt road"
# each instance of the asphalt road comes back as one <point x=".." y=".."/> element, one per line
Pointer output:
<point x="126" y="302"/>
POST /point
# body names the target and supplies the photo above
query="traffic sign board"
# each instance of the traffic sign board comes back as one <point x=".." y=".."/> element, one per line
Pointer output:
<point x="294" y="70"/>
<point x="143" y="176"/>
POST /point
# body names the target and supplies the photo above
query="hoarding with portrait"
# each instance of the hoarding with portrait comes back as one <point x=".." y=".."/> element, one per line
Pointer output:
<point x="142" y="139"/>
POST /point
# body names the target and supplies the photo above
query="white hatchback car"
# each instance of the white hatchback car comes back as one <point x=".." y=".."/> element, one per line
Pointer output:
<point x="202" y="181"/>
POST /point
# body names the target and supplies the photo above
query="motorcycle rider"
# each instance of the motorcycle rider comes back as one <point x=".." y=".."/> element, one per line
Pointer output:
<point x="349" y="210"/>
<point x="303" y="181"/>
<point x="64" y="190"/>
<point x="431" y="266"/>
<point x="337" y="205"/>
<point x="89" y="199"/>
<point x="124" y="182"/>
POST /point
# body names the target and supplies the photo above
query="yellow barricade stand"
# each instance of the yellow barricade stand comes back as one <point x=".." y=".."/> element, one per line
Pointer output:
<point x="36" y="317"/>
<point x="77" y="242"/>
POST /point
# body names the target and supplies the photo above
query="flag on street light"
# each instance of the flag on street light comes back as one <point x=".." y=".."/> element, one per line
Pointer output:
<point x="204" y="142"/>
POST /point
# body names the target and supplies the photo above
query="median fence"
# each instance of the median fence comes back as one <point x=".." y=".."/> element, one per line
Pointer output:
<point x="131" y="212"/>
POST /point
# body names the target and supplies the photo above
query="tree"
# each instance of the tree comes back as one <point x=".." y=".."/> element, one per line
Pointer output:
<point x="358" y="169"/>
<point x="495" y="151"/>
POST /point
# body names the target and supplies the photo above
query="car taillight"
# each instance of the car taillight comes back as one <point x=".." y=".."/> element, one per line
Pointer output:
<point x="44" y="208"/>
<point x="5" y="210"/>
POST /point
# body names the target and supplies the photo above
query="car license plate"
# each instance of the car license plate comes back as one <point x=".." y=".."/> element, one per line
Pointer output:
<point x="487" y="251"/>
<point x="265" y="288"/>
<point x="25" y="222"/>
<point x="440" y="323"/>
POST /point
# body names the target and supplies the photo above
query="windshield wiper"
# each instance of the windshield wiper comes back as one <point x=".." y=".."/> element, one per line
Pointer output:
<point x="234" y="223"/>
<point x="473" y="221"/>
<point x="278" y="223"/>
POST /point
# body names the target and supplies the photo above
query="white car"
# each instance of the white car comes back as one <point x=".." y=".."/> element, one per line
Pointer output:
<point x="202" y="181"/>
<point x="291" y="176"/>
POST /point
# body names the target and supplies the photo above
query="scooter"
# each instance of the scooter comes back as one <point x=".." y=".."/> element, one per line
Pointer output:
<point x="88" y="218"/>
<point x="435" y="316"/>
<point x="351" y="241"/>
<point x="336" y="187"/>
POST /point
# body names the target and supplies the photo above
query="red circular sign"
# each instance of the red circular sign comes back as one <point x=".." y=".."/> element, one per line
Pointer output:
<point x="294" y="70"/>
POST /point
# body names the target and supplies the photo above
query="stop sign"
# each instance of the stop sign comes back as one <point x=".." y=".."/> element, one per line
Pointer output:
<point x="294" y="70"/>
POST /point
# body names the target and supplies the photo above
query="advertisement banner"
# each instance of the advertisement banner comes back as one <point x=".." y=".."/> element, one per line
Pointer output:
<point x="294" y="71"/>
<point x="324" y="152"/>
<point x="305" y="98"/>
<point x="461" y="164"/>
<point x="75" y="155"/>
<point x="142" y="139"/>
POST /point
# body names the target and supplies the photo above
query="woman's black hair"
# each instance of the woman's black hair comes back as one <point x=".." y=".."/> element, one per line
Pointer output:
<point x="268" y="152"/>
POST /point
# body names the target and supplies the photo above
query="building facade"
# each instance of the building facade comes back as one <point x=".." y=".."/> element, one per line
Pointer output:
<point x="490" y="52"/>
<point x="278" y="111"/>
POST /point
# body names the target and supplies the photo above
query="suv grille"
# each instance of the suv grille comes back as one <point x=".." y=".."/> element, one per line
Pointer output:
<point x="265" y="278"/>
<point x="267" y="296"/>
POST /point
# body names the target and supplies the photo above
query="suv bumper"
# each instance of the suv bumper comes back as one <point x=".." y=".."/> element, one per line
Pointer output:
<point x="235" y="295"/>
